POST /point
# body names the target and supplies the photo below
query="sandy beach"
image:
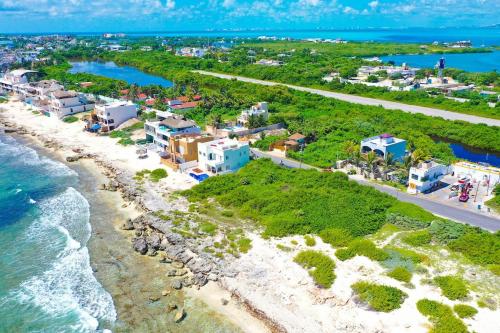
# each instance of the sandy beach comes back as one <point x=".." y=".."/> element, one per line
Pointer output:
<point x="265" y="290"/>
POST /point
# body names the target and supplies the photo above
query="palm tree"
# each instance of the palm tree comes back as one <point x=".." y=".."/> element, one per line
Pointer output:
<point x="370" y="160"/>
<point x="349" y="148"/>
<point x="356" y="159"/>
<point x="133" y="92"/>
<point x="387" y="163"/>
<point x="418" y="156"/>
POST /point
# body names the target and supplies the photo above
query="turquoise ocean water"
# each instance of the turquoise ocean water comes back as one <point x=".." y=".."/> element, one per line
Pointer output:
<point x="47" y="284"/>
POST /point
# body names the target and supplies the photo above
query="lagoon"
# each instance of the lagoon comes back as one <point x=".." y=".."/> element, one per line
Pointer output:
<point x="110" y="69"/>
<point x="471" y="62"/>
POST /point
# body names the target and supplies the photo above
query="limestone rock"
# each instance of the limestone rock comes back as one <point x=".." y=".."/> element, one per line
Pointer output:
<point x="140" y="245"/>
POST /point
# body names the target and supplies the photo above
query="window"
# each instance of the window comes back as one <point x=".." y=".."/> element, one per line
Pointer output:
<point x="111" y="121"/>
<point x="415" y="177"/>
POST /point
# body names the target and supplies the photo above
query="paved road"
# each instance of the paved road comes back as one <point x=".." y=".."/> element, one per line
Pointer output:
<point x="449" y="212"/>
<point x="368" y="101"/>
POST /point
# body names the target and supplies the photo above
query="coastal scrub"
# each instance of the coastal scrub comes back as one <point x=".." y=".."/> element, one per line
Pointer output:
<point x="319" y="265"/>
<point x="379" y="297"/>
<point x="441" y="316"/>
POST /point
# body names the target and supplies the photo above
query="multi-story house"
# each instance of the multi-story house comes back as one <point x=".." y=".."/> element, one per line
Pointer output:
<point x="223" y="155"/>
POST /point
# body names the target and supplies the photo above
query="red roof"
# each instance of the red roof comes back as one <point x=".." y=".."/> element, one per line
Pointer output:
<point x="183" y="99"/>
<point x="142" y="96"/>
<point x="124" y="92"/>
<point x="188" y="105"/>
<point x="150" y="101"/>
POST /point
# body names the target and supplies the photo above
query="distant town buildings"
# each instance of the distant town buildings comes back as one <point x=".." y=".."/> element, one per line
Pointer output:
<point x="269" y="62"/>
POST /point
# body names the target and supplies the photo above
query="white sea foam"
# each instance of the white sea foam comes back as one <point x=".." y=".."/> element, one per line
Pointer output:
<point x="32" y="201"/>
<point x="69" y="285"/>
<point x="11" y="149"/>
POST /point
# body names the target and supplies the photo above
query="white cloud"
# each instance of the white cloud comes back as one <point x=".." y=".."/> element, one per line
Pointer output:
<point x="373" y="5"/>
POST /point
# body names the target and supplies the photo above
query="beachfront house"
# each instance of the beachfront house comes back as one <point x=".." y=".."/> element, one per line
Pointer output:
<point x="425" y="176"/>
<point x="182" y="151"/>
<point x="260" y="110"/>
<point x="16" y="81"/>
<point x="223" y="155"/>
<point x="112" y="115"/>
<point x="159" y="132"/>
<point x="383" y="145"/>
<point x="63" y="103"/>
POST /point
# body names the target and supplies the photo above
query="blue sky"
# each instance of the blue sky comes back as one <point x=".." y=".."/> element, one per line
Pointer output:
<point x="186" y="15"/>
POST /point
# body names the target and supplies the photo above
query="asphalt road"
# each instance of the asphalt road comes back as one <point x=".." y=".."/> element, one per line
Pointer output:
<point x="453" y="213"/>
<point x="368" y="101"/>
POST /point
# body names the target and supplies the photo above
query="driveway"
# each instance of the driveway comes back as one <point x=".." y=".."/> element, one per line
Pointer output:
<point x="449" y="115"/>
<point x="450" y="212"/>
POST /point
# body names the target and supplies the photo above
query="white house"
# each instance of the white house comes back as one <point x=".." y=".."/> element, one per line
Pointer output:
<point x="63" y="103"/>
<point x="223" y="155"/>
<point x="114" y="114"/>
<point x="259" y="110"/>
<point x="425" y="176"/>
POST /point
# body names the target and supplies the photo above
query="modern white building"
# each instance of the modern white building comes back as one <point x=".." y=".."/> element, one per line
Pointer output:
<point x="259" y="110"/>
<point x="426" y="176"/>
<point x="112" y="115"/>
<point x="223" y="155"/>
<point x="64" y="103"/>
<point x="159" y="132"/>
<point x="383" y="145"/>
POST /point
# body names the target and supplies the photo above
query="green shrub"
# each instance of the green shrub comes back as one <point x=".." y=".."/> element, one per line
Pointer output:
<point x="126" y="142"/>
<point x="444" y="231"/>
<point x="320" y="266"/>
<point x="464" y="310"/>
<point x="284" y="248"/>
<point x="310" y="241"/>
<point x="227" y="213"/>
<point x="452" y="287"/>
<point x="418" y="238"/>
<point x="361" y="247"/>
<point x="157" y="174"/>
<point x="379" y="297"/>
<point x="400" y="274"/>
<point x="244" y="244"/>
<point x="409" y="216"/>
<point x="495" y="269"/>
<point x="336" y="237"/>
<point x="208" y="228"/>
<point x="70" y="119"/>
<point x="441" y="316"/>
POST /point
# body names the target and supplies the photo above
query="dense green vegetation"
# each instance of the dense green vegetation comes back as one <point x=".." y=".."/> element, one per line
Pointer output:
<point x="464" y="310"/>
<point x="401" y="274"/>
<point x="379" y="297"/>
<point x="320" y="267"/>
<point x="452" y="287"/>
<point x="441" y="316"/>
<point x="297" y="201"/>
